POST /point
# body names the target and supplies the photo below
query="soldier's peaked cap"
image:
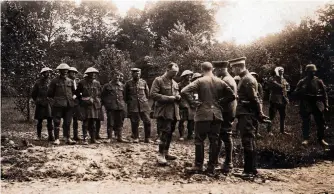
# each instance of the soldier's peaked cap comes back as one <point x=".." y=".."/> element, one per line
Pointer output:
<point x="135" y="70"/>
<point x="220" y="64"/>
<point x="45" y="69"/>
<point x="311" y="67"/>
<point x="237" y="61"/>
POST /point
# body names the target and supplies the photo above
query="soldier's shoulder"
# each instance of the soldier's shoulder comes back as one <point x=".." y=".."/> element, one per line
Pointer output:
<point x="142" y="80"/>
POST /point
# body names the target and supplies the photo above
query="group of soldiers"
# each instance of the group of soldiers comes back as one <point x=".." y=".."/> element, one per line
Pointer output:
<point x="209" y="102"/>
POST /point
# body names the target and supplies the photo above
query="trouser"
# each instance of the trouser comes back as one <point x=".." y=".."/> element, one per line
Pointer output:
<point x="273" y="108"/>
<point x="75" y="128"/>
<point x="115" y="121"/>
<point x="90" y="124"/>
<point x="319" y="120"/>
<point x="135" y="118"/>
<point x="205" y="129"/>
<point x="64" y="113"/>
<point x="190" y="127"/>
<point x="97" y="127"/>
<point x="247" y="131"/>
<point x="225" y="136"/>
<point x="49" y="126"/>
<point x="167" y="127"/>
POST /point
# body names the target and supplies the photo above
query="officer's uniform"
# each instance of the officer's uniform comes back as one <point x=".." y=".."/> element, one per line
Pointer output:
<point x="61" y="90"/>
<point x="260" y="95"/>
<point x="313" y="101"/>
<point x="113" y="99"/>
<point x="248" y="110"/>
<point x="229" y="111"/>
<point x="208" y="116"/>
<point x="136" y="96"/>
<point x="166" y="109"/>
<point x="278" y="98"/>
<point x="89" y="93"/>
<point x="186" y="111"/>
<point x="43" y="107"/>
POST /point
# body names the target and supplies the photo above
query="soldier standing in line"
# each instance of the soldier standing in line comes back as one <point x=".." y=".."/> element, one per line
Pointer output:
<point x="72" y="73"/>
<point x="89" y="92"/>
<point x="61" y="90"/>
<point x="113" y="99"/>
<point x="212" y="92"/>
<point x="136" y="95"/>
<point x="185" y="109"/>
<point x="260" y="95"/>
<point x="228" y="111"/>
<point x="249" y="110"/>
<point x="43" y="107"/>
<point x="165" y="93"/>
<point x="278" y="87"/>
<point x="313" y="101"/>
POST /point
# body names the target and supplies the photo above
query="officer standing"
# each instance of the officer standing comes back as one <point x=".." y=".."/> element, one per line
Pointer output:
<point x="260" y="95"/>
<point x="165" y="93"/>
<point x="89" y="92"/>
<point x="43" y="107"/>
<point x="278" y="87"/>
<point x="113" y="99"/>
<point x="208" y="117"/>
<point x="229" y="111"/>
<point x="136" y="96"/>
<point x="249" y="110"/>
<point x="72" y="73"/>
<point x="313" y="101"/>
<point x="185" y="109"/>
<point x="61" y="90"/>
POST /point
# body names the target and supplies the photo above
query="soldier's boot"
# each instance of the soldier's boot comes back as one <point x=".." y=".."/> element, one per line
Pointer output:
<point x="282" y="128"/>
<point x="269" y="129"/>
<point x="135" y="132"/>
<point x="120" y="136"/>
<point x="75" y="130"/>
<point x="50" y="135"/>
<point x="199" y="159"/>
<point x="97" y="133"/>
<point x="191" y="126"/>
<point x="168" y="156"/>
<point x="69" y="141"/>
<point x="56" y="132"/>
<point x="109" y="135"/>
<point x="213" y="157"/>
<point x="161" y="159"/>
<point x="39" y="130"/>
<point x="85" y="141"/>
<point x="147" y="130"/>
<point x="228" y="166"/>
<point x="181" y="130"/>
<point x="92" y="134"/>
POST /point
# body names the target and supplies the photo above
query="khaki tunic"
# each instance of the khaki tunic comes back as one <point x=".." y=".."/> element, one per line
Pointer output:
<point x="89" y="93"/>
<point x="230" y="107"/>
<point x="136" y="96"/>
<point x="161" y="89"/>
<point x="39" y="95"/>
<point x="61" y="90"/>
<point x="278" y="90"/>
<point x="186" y="111"/>
<point x="210" y="91"/>
<point x="113" y="96"/>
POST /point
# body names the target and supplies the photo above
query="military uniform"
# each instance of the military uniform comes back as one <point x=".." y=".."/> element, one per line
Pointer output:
<point x="278" y="99"/>
<point x="89" y="92"/>
<point x="260" y="95"/>
<point x="228" y="111"/>
<point x="186" y="113"/>
<point x="43" y="107"/>
<point x="136" y="96"/>
<point x="99" y="120"/>
<point x="313" y="101"/>
<point x="249" y="110"/>
<point x="208" y="115"/>
<point x="61" y="90"/>
<point x="113" y="99"/>
<point x="76" y="110"/>
<point x="163" y="92"/>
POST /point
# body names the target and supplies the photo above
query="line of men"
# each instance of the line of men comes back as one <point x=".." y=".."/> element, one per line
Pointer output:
<point x="209" y="103"/>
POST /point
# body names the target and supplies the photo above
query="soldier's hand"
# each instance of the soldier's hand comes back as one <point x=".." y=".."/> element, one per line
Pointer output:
<point x="177" y="97"/>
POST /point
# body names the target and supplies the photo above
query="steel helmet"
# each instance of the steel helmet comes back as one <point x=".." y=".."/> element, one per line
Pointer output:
<point x="91" y="70"/>
<point x="196" y="75"/>
<point x="186" y="72"/>
<point x="45" y="69"/>
<point x="73" y="69"/>
<point x="63" y="66"/>
<point x="254" y="74"/>
<point x="311" y="67"/>
<point x="85" y="75"/>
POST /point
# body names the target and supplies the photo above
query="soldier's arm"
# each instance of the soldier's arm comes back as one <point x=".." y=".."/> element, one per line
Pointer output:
<point x="324" y="93"/>
<point x="299" y="88"/>
<point x="147" y="90"/>
<point x="188" y="90"/>
<point x="274" y="84"/>
<point x="155" y="93"/>
<point x="228" y="94"/>
<point x="51" y="89"/>
<point x="34" y="92"/>
<point x="253" y="96"/>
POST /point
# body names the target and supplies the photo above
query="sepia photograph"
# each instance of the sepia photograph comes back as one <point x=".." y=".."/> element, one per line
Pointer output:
<point x="167" y="96"/>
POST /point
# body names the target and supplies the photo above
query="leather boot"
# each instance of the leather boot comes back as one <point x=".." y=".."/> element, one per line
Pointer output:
<point x="161" y="158"/>
<point x="109" y="133"/>
<point x="147" y="130"/>
<point x="56" y="132"/>
<point x="97" y="133"/>
<point x="39" y="130"/>
<point x="50" y="135"/>
<point x="169" y="156"/>
<point x="199" y="155"/>
<point x="135" y="132"/>
<point x="227" y="166"/>
<point x="119" y="136"/>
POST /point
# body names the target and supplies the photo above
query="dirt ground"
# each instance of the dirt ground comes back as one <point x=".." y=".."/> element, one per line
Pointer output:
<point x="132" y="168"/>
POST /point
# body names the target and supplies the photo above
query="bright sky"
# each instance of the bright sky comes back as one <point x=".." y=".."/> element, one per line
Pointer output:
<point x="246" y="20"/>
